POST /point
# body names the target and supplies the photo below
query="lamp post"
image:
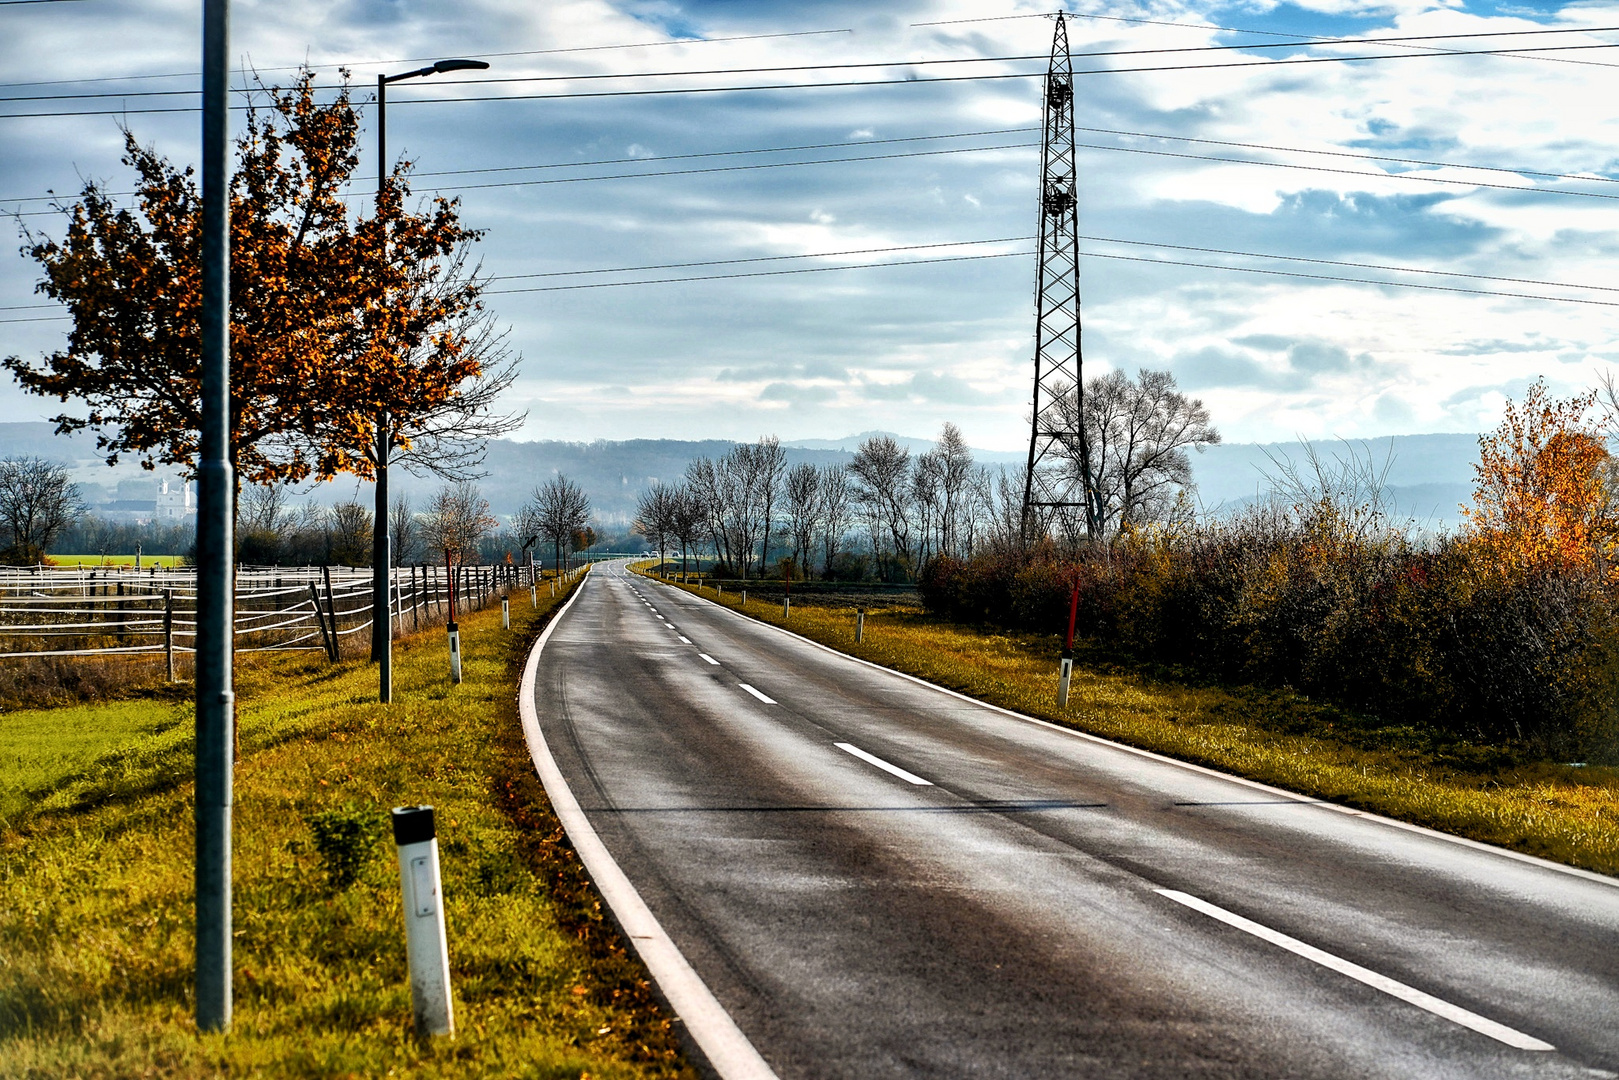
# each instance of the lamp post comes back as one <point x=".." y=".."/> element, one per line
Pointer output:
<point x="216" y="700"/>
<point x="382" y="554"/>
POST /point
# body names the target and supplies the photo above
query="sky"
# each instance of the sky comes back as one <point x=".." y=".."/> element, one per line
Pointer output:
<point x="948" y="164"/>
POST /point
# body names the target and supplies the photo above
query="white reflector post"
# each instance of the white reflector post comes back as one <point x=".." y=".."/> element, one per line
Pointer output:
<point x="425" y="945"/>
<point x="1065" y="673"/>
<point x="455" y="653"/>
<point x="505" y="613"/>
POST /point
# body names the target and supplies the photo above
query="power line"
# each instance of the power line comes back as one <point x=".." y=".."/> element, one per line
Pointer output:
<point x="755" y="273"/>
<point x="1352" y="172"/>
<point x="764" y="258"/>
<point x="843" y="84"/>
<point x="742" y="168"/>
<point x="427" y="59"/>
<point x="1295" y="166"/>
<point x="1355" y="281"/>
<point x="1087" y="254"/>
<point x="1347" y="154"/>
<point x="1355" y="265"/>
<point x="600" y="76"/>
<point x="647" y="160"/>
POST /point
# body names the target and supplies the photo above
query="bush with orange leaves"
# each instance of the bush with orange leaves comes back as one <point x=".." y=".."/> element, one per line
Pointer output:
<point x="1543" y="499"/>
<point x="1506" y="633"/>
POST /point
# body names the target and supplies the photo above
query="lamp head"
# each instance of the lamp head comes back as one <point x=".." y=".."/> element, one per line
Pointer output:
<point x="441" y="66"/>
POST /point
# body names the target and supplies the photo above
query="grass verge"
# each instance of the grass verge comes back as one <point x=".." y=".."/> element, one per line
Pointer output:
<point x="1560" y="812"/>
<point x="95" y="884"/>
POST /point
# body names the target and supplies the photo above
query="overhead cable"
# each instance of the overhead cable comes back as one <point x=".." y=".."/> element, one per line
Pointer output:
<point x="842" y="84"/>
<point x="601" y="76"/>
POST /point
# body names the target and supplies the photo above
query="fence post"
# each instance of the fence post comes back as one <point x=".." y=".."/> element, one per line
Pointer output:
<point x="451" y="571"/>
<point x="168" y="631"/>
<point x="331" y="608"/>
<point x="320" y="622"/>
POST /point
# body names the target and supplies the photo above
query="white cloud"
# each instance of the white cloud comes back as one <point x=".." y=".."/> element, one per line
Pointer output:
<point x="829" y="353"/>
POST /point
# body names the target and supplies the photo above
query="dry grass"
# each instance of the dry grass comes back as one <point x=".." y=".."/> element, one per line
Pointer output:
<point x="95" y="885"/>
<point x="1559" y="812"/>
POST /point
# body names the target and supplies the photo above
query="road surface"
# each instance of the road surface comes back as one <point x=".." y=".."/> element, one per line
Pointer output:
<point x="879" y="879"/>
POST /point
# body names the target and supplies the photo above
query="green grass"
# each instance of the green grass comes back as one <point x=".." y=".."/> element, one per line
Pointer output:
<point x="1558" y="812"/>
<point x="45" y="752"/>
<point x="116" y="560"/>
<point x="95" y="885"/>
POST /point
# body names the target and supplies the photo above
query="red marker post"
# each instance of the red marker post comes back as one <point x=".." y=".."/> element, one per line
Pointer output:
<point x="455" y="631"/>
<point x="1067" y="669"/>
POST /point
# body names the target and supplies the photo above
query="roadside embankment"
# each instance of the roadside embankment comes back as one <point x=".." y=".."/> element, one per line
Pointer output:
<point x="96" y="843"/>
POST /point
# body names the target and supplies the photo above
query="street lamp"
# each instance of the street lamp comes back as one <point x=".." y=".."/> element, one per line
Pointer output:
<point x="382" y="572"/>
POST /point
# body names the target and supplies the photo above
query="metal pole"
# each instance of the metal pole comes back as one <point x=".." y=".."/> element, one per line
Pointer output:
<point x="216" y="704"/>
<point x="381" y="609"/>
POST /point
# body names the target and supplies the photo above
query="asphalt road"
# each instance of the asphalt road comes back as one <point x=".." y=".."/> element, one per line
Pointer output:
<point x="877" y="879"/>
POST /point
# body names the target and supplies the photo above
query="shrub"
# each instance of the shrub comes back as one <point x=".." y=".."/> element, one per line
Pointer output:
<point x="1438" y="635"/>
<point x="344" y="839"/>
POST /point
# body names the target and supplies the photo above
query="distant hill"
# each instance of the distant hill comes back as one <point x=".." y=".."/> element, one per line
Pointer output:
<point x="1429" y="476"/>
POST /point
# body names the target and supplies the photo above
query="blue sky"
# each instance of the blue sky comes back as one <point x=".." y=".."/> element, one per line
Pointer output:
<point x="906" y="348"/>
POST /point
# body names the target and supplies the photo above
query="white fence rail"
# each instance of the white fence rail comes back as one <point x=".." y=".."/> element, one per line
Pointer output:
<point x="111" y="610"/>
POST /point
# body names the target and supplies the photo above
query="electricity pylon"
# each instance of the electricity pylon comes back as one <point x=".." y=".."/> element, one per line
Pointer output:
<point x="1057" y="484"/>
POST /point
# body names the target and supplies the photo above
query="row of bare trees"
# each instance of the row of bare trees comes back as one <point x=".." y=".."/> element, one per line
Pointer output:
<point x="269" y="531"/>
<point x="907" y="508"/>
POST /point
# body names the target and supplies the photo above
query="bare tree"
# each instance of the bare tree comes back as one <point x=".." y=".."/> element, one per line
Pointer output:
<point x="836" y="499"/>
<point x="262" y="508"/>
<point x="737" y="504"/>
<point x="881" y="471"/>
<point x="956" y="479"/>
<point x="803" y="505"/>
<point x="763" y="465"/>
<point x="558" y="508"/>
<point x="1138" y="433"/>
<point x="654" y="514"/>
<point x="686" y="518"/>
<point x="37" y="502"/>
<point x="457" y="518"/>
<point x="404" y="529"/>
<point x="349" y="534"/>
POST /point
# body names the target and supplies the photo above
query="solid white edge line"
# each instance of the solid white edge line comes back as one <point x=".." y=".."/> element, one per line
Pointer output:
<point x="1408" y="994"/>
<point x="728" y="1050"/>
<point x="757" y="694"/>
<point x="873" y="759"/>
<point x="1350" y="811"/>
<point x="709" y="658"/>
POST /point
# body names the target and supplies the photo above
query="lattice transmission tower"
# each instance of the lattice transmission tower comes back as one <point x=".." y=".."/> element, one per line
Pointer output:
<point x="1057" y="489"/>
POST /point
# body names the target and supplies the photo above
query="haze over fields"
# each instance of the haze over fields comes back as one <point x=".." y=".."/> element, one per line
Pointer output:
<point x="1429" y="476"/>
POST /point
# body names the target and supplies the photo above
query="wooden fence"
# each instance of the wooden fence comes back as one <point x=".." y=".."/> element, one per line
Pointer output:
<point x="119" y="610"/>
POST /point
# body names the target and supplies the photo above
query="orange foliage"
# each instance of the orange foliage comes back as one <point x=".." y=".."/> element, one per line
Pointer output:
<point x="334" y="317"/>
<point x="1541" y="498"/>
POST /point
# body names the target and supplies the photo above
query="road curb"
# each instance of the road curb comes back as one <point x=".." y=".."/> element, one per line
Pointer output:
<point x="716" y="1034"/>
<point x="1393" y="823"/>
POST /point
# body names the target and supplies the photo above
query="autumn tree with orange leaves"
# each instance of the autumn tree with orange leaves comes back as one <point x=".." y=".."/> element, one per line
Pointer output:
<point x="335" y="315"/>
<point x="1542" y="498"/>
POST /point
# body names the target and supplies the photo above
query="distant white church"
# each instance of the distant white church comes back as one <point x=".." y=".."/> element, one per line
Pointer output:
<point x="173" y="501"/>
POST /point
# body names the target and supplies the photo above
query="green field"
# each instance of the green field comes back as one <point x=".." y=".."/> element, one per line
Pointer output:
<point x="1561" y="812"/>
<point x="116" y="560"/>
<point x="95" y="884"/>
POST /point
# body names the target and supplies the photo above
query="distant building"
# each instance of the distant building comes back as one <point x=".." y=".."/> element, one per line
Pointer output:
<point x="174" y="501"/>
